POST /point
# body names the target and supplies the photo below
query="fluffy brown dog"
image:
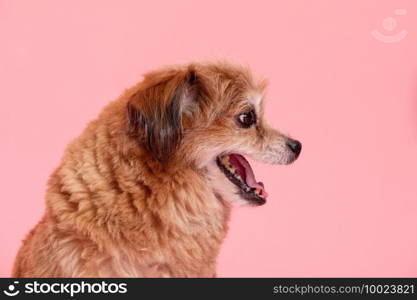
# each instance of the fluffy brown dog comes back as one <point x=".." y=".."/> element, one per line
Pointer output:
<point x="146" y="189"/>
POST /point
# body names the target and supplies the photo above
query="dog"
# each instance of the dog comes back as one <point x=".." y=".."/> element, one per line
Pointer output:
<point x="146" y="190"/>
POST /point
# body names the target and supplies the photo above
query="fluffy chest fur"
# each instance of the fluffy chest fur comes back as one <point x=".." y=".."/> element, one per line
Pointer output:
<point x="128" y="217"/>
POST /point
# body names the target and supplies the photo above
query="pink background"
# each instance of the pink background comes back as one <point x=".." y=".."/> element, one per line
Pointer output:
<point x="347" y="207"/>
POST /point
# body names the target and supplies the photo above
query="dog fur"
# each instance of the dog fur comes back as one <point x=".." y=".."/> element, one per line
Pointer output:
<point x="138" y="193"/>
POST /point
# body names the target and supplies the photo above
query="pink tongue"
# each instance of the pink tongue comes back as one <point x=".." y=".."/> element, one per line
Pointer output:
<point x="247" y="174"/>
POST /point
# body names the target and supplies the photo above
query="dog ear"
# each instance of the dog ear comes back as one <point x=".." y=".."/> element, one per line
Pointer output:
<point x="155" y="112"/>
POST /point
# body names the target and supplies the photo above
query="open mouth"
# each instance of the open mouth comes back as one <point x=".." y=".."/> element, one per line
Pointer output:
<point x="238" y="170"/>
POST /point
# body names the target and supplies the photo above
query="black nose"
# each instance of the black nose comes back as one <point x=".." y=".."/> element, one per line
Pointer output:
<point x="295" y="146"/>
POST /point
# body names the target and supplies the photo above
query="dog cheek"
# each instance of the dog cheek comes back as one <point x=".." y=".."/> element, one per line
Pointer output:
<point x="224" y="188"/>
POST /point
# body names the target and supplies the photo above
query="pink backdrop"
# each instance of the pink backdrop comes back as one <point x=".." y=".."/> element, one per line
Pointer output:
<point x="347" y="207"/>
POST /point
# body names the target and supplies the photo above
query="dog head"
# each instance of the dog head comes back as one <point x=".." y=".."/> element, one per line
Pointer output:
<point x="209" y="117"/>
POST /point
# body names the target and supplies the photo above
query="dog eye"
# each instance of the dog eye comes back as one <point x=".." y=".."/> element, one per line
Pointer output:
<point x="247" y="119"/>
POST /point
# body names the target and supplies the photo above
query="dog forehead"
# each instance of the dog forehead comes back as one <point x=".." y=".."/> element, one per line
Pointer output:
<point x="255" y="99"/>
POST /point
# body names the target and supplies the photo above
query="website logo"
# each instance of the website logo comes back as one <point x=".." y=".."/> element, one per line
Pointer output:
<point x="12" y="290"/>
<point x="389" y="24"/>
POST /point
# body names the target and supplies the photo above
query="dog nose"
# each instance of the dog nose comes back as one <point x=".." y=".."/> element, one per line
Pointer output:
<point x="295" y="146"/>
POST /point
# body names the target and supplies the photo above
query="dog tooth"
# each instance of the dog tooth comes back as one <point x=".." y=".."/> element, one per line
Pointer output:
<point x="225" y="159"/>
